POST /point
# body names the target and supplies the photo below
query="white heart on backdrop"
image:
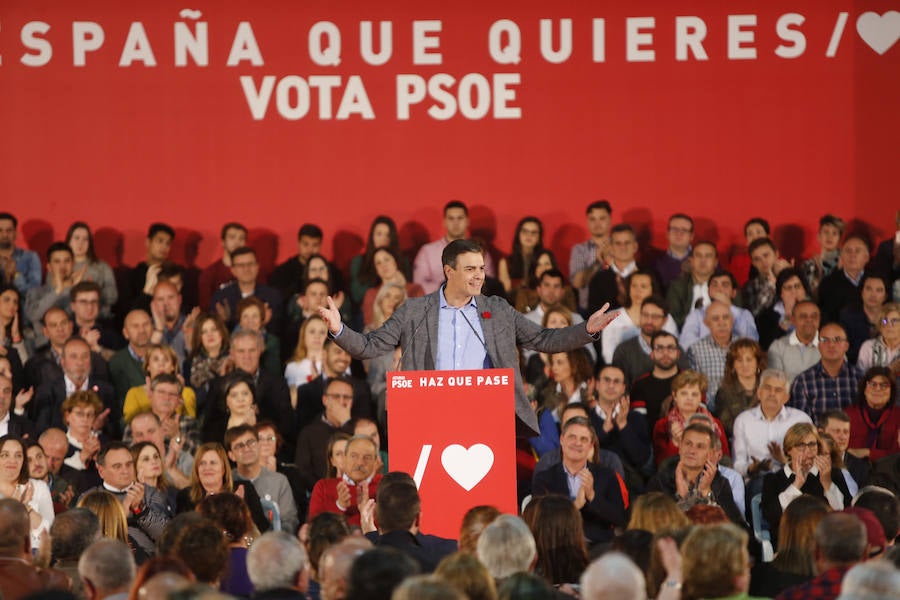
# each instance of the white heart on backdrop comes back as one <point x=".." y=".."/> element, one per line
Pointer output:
<point x="880" y="32"/>
<point x="467" y="466"/>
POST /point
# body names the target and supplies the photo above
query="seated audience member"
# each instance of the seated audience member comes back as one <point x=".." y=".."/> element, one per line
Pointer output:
<point x="348" y="494"/>
<point x="759" y="292"/>
<point x="633" y="355"/>
<point x="126" y="367"/>
<point x="707" y="355"/>
<point x="688" y="388"/>
<point x="841" y="288"/>
<point x="102" y="338"/>
<point x="794" y="563"/>
<point x="808" y="471"/>
<point x="313" y="296"/>
<point x="690" y="290"/>
<point x="71" y="534"/>
<point x="147" y="508"/>
<point x="159" y="360"/>
<point x="777" y="319"/>
<point x="336" y="363"/>
<point x="613" y="575"/>
<point x="12" y="326"/>
<point x="527" y="298"/>
<point x="44" y="364"/>
<point x="33" y="493"/>
<point x="819" y="266"/>
<point x="841" y="542"/>
<point x="743" y="364"/>
<point x="201" y="545"/>
<point x="592" y="488"/>
<point x="656" y="511"/>
<point x="886" y="257"/>
<point x="150" y="468"/>
<point x="639" y="286"/>
<point x="229" y="512"/>
<point x="856" y="470"/>
<point x="465" y="572"/>
<point x="169" y="324"/>
<point x="871" y="579"/>
<point x="55" y="292"/>
<point x="669" y="265"/>
<point x="618" y="427"/>
<point x="570" y="382"/>
<point x="245" y="268"/>
<point x="382" y="234"/>
<point x="19" y="577"/>
<point x="112" y="518"/>
<point x="271" y="393"/>
<point x="513" y="270"/>
<point x="562" y="554"/>
<point x="759" y="431"/>
<point x="861" y="320"/>
<point x="886" y="508"/>
<point x="251" y="316"/>
<point x="875" y="417"/>
<point x="212" y="475"/>
<point x="106" y="569"/>
<point x="387" y="269"/>
<point x="80" y="412"/>
<point x="332" y="564"/>
<point x="550" y="291"/>
<point x="715" y="562"/>
<point x="287" y="277"/>
<point x="376" y="573"/>
<point x="722" y="287"/>
<point x="171" y="444"/>
<point x="799" y="350"/>
<point x="831" y="383"/>
<point x="608" y="285"/>
<point x="10" y="422"/>
<point x="270" y="445"/>
<point x="237" y="407"/>
<point x="693" y="477"/>
<point x="62" y="493"/>
<point x="278" y="567"/>
<point x="138" y="288"/>
<point x="883" y="350"/>
<point x="506" y="547"/>
<point x="76" y="376"/>
<point x="473" y="523"/>
<point x="217" y="274"/>
<point x="650" y="391"/>
<point x="66" y="483"/>
<point x="242" y="444"/>
<point x="588" y="257"/>
<point x="87" y="268"/>
<point x="306" y="362"/>
<point x="209" y="356"/>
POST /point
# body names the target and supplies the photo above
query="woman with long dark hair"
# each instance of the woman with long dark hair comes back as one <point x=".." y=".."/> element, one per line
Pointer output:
<point x="90" y="268"/>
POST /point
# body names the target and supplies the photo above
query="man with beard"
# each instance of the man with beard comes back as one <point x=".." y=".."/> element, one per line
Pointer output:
<point x="19" y="267"/>
<point x="633" y="355"/>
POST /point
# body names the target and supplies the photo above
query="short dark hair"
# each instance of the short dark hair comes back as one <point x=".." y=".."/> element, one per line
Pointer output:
<point x="837" y="415"/>
<point x="759" y="221"/>
<point x="54" y="309"/>
<point x="555" y="273"/>
<point x="242" y="251"/>
<point x="759" y="243"/>
<point x="455" y="248"/>
<point x="337" y="379"/>
<point x="884" y="505"/>
<point x="110" y="446"/>
<point x="309" y="230"/>
<point x="723" y="273"/>
<point x="160" y="228"/>
<point x="576" y="406"/>
<point x="832" y="220"/>
<point x="456" y="204"/>
<point x="397" y="506"/>
<point x="83" y="287"/>
<point x="168" y="270"/>
<point x="704" y="430"/>
<point x="684" y="216"/>
<point x="623" y="228"/>
<point x="657" y="301"/>
<point x="59" y="247"/>
<point x="583" y="421"/>
<point x="233" y="433"/>
<point x="377" y="572"/>
<point x="860" y="237"/>
<point x="5" y="216"/>
<point x="705" y="243"/>
<point x="169" y="378"/>
<point x="663" y="333"/>
<point x="232" y="225"/>
<point x="599" y="205"/>
<point x="72" y="532"/>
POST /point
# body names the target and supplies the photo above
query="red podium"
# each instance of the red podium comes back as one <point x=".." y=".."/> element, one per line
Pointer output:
<point x="455" y="433"/>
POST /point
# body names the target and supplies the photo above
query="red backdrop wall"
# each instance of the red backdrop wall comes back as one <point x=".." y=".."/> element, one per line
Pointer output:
<point x="728" y="110"/>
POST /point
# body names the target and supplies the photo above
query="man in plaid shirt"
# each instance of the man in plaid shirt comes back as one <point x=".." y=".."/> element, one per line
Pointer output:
<point x="831" y="383"/>
<point x="589" y="257"/>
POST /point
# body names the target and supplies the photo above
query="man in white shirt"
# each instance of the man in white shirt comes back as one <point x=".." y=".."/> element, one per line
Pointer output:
<point x="798" y="350"/>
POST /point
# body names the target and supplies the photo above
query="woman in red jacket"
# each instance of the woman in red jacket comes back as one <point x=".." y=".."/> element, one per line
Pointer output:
<point x="875" y="418"/>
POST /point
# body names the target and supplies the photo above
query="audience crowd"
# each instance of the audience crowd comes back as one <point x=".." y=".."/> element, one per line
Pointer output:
<point x="734" y="432"/>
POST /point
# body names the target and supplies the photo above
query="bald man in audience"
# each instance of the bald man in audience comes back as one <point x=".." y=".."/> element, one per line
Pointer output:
<point x="335" y="564"/>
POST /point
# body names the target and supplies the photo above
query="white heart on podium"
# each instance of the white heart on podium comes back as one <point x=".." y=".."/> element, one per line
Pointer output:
<point x="467" y="466"/>
<point x="880" y="32"/>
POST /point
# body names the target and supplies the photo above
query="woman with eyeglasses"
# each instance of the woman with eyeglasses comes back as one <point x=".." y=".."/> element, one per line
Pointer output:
<point x="875" y="417"/>
<point x="884" y="350"/>
<point x="808" y="470"/>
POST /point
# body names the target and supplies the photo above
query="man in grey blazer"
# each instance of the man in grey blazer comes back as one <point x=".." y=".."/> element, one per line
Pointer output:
<point x="458" y="328"/>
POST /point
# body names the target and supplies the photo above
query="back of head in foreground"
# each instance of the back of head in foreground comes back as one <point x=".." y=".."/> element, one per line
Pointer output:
<point x="613" y="577"/>
<point x="277" y="560"/>
<point x="506" y="546"/>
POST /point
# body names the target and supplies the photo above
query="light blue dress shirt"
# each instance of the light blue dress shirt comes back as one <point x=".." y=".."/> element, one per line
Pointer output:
<point x="460" y="337"/>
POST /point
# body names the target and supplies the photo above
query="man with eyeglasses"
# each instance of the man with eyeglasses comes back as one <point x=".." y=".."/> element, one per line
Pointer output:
<point x="633" y="356"/>
<point x="335" y="363"/>
<point x="649" y="391"/>
<point x="180" y="431"/>
<point x="242" y="444"/>
<point x="620" y="428"/>
<point x="722" y="287"/>
<point x="245" y="268"/>
<point x="830" y="384"/>
<point x="44" y="364"/>
<point x="85" y="306"/>
<point x="691" y="290"/>
<point x="670" y="264"/>
<point x="312" y="445"/>
<point x="798" y="350"/>
<point x="349" y="493"/>
<point x="707" y="355"/>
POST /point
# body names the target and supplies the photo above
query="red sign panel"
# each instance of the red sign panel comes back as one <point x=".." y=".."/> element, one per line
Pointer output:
<point x="454" y="432"/>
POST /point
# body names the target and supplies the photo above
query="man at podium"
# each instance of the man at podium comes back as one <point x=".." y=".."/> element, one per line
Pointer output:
<point x="456" y="328"/>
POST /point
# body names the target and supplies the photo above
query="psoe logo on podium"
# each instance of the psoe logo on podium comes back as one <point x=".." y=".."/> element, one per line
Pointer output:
<point x="454" y="432"/>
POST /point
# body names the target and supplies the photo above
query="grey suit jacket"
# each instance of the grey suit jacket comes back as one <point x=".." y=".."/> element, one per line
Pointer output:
<point x="414" y="327"/>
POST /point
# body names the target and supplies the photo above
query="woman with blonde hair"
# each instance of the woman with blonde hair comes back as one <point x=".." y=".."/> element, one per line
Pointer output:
<point x="655" y="511"/>
<point x="113" y="521"/>
<point x="715" y="563"/>
<point x="306" y="362"/>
